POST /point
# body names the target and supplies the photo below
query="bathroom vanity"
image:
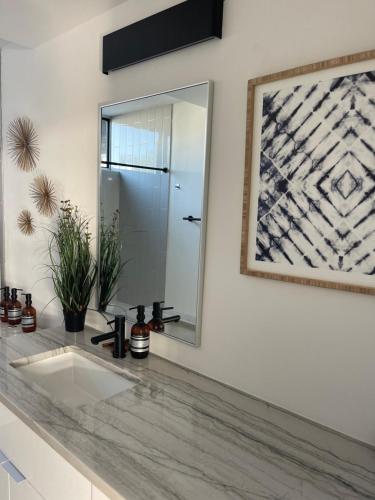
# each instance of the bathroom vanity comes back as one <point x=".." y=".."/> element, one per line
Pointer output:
<point x="154" y="430"/>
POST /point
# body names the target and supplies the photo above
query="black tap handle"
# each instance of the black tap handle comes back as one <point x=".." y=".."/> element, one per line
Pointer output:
<point x="158" y="303"/>
<point x="119" y="347"/>
<point x="167" y="308"/>
<point x="100" y="338"/>
<point x="119" y="318"/>
<point x="190" y="218"/>
<point x="111" y="322"/>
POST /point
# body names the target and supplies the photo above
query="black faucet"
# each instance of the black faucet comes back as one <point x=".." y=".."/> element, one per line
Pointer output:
<point x="118" y="334"/>
<point x="170" y="319"/>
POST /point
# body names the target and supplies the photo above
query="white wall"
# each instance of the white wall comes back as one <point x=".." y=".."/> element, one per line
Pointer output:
<point x="306" y="349"/>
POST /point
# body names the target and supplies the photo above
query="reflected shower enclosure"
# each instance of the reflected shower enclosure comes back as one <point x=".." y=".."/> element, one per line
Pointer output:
<point x="153" y="169"/>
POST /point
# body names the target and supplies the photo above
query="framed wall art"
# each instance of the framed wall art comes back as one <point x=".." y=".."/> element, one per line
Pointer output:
<point x="309" y="191"/>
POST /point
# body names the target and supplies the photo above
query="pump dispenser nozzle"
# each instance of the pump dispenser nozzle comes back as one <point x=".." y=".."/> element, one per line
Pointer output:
<point x="140" y="313"/>
<point x="14" y="292"/>
<point x="28" y="300"/>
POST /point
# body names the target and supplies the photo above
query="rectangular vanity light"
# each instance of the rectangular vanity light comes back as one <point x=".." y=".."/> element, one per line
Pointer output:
<point x="185" y="24"/>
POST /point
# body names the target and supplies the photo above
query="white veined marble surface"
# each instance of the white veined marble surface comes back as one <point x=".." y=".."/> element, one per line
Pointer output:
<point x="179" y="435"/>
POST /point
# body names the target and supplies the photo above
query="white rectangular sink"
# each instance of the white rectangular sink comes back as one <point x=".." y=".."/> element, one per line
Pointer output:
<point x="75" y="377"/>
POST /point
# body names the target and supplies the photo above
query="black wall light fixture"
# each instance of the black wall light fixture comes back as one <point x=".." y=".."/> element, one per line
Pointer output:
<point x="185" y="24"/>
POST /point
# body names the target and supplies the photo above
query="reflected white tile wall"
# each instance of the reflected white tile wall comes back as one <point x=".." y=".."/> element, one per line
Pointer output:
<point x="143" y="138"/>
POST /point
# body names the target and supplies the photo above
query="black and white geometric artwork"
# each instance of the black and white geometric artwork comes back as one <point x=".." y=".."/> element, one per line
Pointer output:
<point x="316" y="192"/>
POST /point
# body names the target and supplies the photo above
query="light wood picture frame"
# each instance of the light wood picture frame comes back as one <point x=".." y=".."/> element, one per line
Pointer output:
<point x="309" y="185"/>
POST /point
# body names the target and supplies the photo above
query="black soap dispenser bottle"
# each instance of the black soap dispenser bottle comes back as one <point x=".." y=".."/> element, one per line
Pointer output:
<point x="15" y="309"/>
<point x="4" y="304"/>
<point x="140" y="335"/>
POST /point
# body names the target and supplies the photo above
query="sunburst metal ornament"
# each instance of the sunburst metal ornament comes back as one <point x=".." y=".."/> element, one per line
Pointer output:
<point x="25" y="223"/>
<point x="23" y="143"/>
<point x="42" y="191"/>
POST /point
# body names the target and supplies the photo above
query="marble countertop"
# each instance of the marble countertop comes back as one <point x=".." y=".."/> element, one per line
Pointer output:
<point x="178" y="435"/>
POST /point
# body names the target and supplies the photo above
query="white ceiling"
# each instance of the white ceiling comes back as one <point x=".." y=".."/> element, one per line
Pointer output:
<point x="31" y="22"/>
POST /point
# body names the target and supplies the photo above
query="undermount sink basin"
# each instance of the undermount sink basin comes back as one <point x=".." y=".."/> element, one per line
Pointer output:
<point x="75" y="377"/>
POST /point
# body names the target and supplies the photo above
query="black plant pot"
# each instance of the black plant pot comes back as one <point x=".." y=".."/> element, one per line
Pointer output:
<point x="74" y="321"/>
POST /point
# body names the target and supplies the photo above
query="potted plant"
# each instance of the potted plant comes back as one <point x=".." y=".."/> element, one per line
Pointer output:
<point x="110" y="264"/>
<point x="72" y="265"/>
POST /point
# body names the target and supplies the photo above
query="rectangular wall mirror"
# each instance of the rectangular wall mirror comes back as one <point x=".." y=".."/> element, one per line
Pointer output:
<point x="154" y="162"/>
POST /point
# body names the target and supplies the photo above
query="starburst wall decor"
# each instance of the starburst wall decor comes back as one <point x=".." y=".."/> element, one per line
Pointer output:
<point x="43" y="193"/>
<point x="25" y="223"/>
<point x="23" y="143"/>
<point x="309" y="195"/>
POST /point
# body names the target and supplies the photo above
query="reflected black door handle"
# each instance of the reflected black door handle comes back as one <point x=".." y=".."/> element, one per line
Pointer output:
<point x="190" y="218"/>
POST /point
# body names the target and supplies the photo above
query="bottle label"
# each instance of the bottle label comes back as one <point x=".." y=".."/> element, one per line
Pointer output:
<point x="14" y="313"/>
<point x="2" y="312"/>
<point x="28" y="321"/>
<point x="139" y="343"/>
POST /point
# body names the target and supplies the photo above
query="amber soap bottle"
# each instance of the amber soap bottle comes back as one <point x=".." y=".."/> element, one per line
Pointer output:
<point x="140" y="335"/>
<point x="15" y="309"/>
<point x="4" y="305"/>
<point x="28" y="320"/>
<point x="156" y="323"/>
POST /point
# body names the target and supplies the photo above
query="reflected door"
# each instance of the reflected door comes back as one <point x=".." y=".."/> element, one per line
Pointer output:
<point x="186" y="194"/>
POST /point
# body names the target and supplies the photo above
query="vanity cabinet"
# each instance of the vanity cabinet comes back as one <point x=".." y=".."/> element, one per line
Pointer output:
<point x="13" y="485"/>
<point x="4" y="483"/>
<point x="31" y="470"/>
<point x="22" y="491"/>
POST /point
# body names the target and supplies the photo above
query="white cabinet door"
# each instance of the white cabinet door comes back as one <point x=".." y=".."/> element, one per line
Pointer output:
<point x="22" y="491"/>
<point x="4" y="484"/>
<point x="31" y="470"/>
<point x="42" y="466"/>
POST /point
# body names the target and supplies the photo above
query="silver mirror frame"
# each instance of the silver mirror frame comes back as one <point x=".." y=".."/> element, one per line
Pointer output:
<point x="2" y="211"/>
<point x="206" y="169"/>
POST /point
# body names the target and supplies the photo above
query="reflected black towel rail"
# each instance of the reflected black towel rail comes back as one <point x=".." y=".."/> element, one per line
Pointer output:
<point x="165" y="170"/>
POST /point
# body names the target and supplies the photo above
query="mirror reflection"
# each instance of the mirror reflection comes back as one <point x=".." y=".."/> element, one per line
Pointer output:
<point x="154" y="166"/>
